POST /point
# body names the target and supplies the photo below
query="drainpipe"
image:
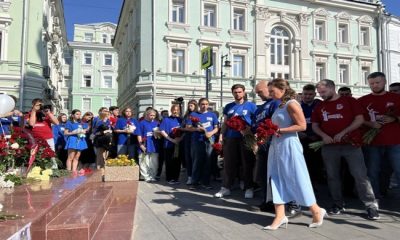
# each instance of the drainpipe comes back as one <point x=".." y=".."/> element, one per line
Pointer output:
<point x="153" y="25"/>
<point x="23" y="55"/>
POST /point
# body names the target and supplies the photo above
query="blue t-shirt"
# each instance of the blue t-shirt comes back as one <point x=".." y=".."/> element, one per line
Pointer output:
<point x="208" y="120"/>
<point x="307" y="110"/>
<point x="72" y="125"/>
<point x="97" y="123"/>
<point x="145" y="129"/>
<point x="264" y="111"/>
<point x="58" y="134"/>
<point x="7" y="122"/>
<point x="246" y="110"/>
<point x="122" y="124"/>
<point x="167" y="125"/>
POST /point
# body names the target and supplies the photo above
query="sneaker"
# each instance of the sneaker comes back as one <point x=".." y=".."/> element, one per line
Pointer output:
<point x="373" y="214"/>
<point x="171" y="182"/>
<point x="336" y="210"/>
<point x="249" y="193"/>
<point x="189" y="181"/>
<point x="223" y="192"/>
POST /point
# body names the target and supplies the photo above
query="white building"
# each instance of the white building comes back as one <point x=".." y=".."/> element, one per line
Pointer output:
<point x="391" y="48"/>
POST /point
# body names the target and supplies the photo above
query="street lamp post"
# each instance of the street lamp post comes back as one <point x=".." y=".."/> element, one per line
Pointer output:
<point x="227" y="63"/>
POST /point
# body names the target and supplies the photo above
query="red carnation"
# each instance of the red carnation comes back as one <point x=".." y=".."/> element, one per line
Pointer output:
<point x="236" y="123"/>
<point x="266" y="129"/>
<point x="194" y="120"/>
<point x="176" y="132"/>
<point x="217" y="148"/>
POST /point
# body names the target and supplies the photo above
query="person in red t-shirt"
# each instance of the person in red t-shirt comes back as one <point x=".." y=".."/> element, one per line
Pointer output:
<point x="40" y="120"/>
<point x="114" y="114"/>
<point x="382" y="111"/>
<point x="333" y="120"/>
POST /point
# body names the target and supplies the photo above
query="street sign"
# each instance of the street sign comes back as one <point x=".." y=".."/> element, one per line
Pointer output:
<point x="206" y="58"/>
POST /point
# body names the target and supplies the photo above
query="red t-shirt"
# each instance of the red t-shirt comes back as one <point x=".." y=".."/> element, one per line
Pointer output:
<point x="334" y="116"/>
<point x="41" y="129"/>
<point x="113" y="121"/>
<point x="374" y="107"/>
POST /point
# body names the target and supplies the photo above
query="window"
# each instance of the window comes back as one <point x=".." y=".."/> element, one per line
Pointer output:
<point x="105" y="38"/>
<point x="107" y="59"/>
<point x="279" y="46"/>
<point x="88" y="37"/>
<point x="107" y="83"/>
<point x="238" y="66"/>
<point x="67" y="82"/>
<point x="66" y="103"/>
<point x="365" y="71"/>
<point x="178" y="11"/>
<point x="319" y="30"/>
<point x="319" y="72"/>
<point x="87" y="81"/>
<point x="107" y="102"/>
<point x="87" y="59"/>
<point x="343" y="33"/>
<point x="86" y="104"/>
<point x="178" y="61"/>
<point x="209" y="16"/>
<point x="364" y="36"/>
<point x="238" y="19"/>
<point x="344" y="73"/>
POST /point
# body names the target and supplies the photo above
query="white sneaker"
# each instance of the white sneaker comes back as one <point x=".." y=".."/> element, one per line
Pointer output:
<point x="189" y="181"/>
<point x="223" y="192"/>
<point x="249" y="193"/>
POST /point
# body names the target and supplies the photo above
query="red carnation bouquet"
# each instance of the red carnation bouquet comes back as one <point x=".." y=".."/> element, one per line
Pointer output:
<point x="265" y="130"/>
<point x="194" y="120"/>
<point x="217" y="147"/>
<point x="176" y="132"/>
<point x="236" y="123"/>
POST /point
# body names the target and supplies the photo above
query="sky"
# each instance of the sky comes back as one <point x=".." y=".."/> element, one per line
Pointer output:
<point x="93" y="11"/>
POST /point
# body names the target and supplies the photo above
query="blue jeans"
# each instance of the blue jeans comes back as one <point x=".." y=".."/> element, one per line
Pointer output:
<point x="129" y="150"/>
<point x="201" y="156"/>
<point x="376" y="158"/>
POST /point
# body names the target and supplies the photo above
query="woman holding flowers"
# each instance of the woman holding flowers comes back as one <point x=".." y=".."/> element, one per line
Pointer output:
<point x="75" y="132"/>
<point x="187" y="139"/>
<point x="59" y="138"/>
<point x="125" y="128"/>
<point x="170" y="130"/>
<point x="204" y="125"/>
<point x="148" y="149"/>
<point x="287" y="175"/>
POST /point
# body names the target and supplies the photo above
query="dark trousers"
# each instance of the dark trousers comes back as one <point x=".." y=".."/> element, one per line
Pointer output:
<point x="172" y="164"/>
<point x="262" y="168"/>
<point x="187" y="153"/>
<point x="201" y="152"/>
<point x="235" y="153"/>
<point x="160" y="158"/>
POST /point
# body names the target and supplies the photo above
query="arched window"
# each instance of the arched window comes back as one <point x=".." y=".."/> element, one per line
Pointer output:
<point x="280" y="49"/>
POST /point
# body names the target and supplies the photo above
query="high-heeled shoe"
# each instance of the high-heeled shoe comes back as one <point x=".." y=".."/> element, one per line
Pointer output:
<point x="322" y="214"/>
<point x="284" y="222"/>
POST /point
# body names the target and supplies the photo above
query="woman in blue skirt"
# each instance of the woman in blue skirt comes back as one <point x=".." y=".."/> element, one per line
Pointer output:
<point x="75" y="131"/>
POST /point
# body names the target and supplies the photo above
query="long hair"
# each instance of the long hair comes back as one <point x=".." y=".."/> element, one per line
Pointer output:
<point x="196" y="107"/>
<point x="283" y="84"/>
<point x="124" y="110"/>
<point x="60" y="117"/>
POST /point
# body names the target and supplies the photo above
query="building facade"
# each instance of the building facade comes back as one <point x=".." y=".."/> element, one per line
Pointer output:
<point x="32" y="39"/>
<point x="93" y="68"/>
<point x="303" y="41"/>
<point x="391" y="48"/>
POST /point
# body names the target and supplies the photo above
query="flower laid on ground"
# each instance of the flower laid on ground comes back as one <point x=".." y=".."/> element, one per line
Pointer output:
<point x="120" y="160"/>
<point x="4" y="182"/>
<point x="236" y="123"/>
<point x="354" y="138"/>
<point x="40" y="174"/>
<point x="218" y="148"/>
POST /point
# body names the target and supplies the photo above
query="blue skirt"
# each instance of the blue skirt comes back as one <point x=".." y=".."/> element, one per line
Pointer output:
<point x="76" y="143"/>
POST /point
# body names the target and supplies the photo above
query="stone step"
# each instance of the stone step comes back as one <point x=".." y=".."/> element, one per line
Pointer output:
<point x="81" y="218"/>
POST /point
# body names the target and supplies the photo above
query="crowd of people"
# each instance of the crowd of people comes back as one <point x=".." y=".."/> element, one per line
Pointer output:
<point x="285" y="167"/>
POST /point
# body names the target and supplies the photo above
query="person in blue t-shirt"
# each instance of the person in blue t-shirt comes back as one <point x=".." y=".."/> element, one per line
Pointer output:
<point x="235" y="152"/>
<point x="264" y="111"/>
<point x="187" y="139"/>
<point x="148" y="149"/>
<point x="75" y="131"/>
<point x="202" y="139"/>
<point x="126" y="127"/>
<point x="60" y="139"/>
<point x="10" y="119"/>
<point x="171" y="143"/>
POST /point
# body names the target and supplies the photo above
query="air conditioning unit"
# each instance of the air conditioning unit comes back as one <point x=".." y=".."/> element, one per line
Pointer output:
<point x="46" y="72"/>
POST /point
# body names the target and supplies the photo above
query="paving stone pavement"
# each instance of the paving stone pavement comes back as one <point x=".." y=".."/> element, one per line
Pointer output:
<point x="165" y="212"/>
